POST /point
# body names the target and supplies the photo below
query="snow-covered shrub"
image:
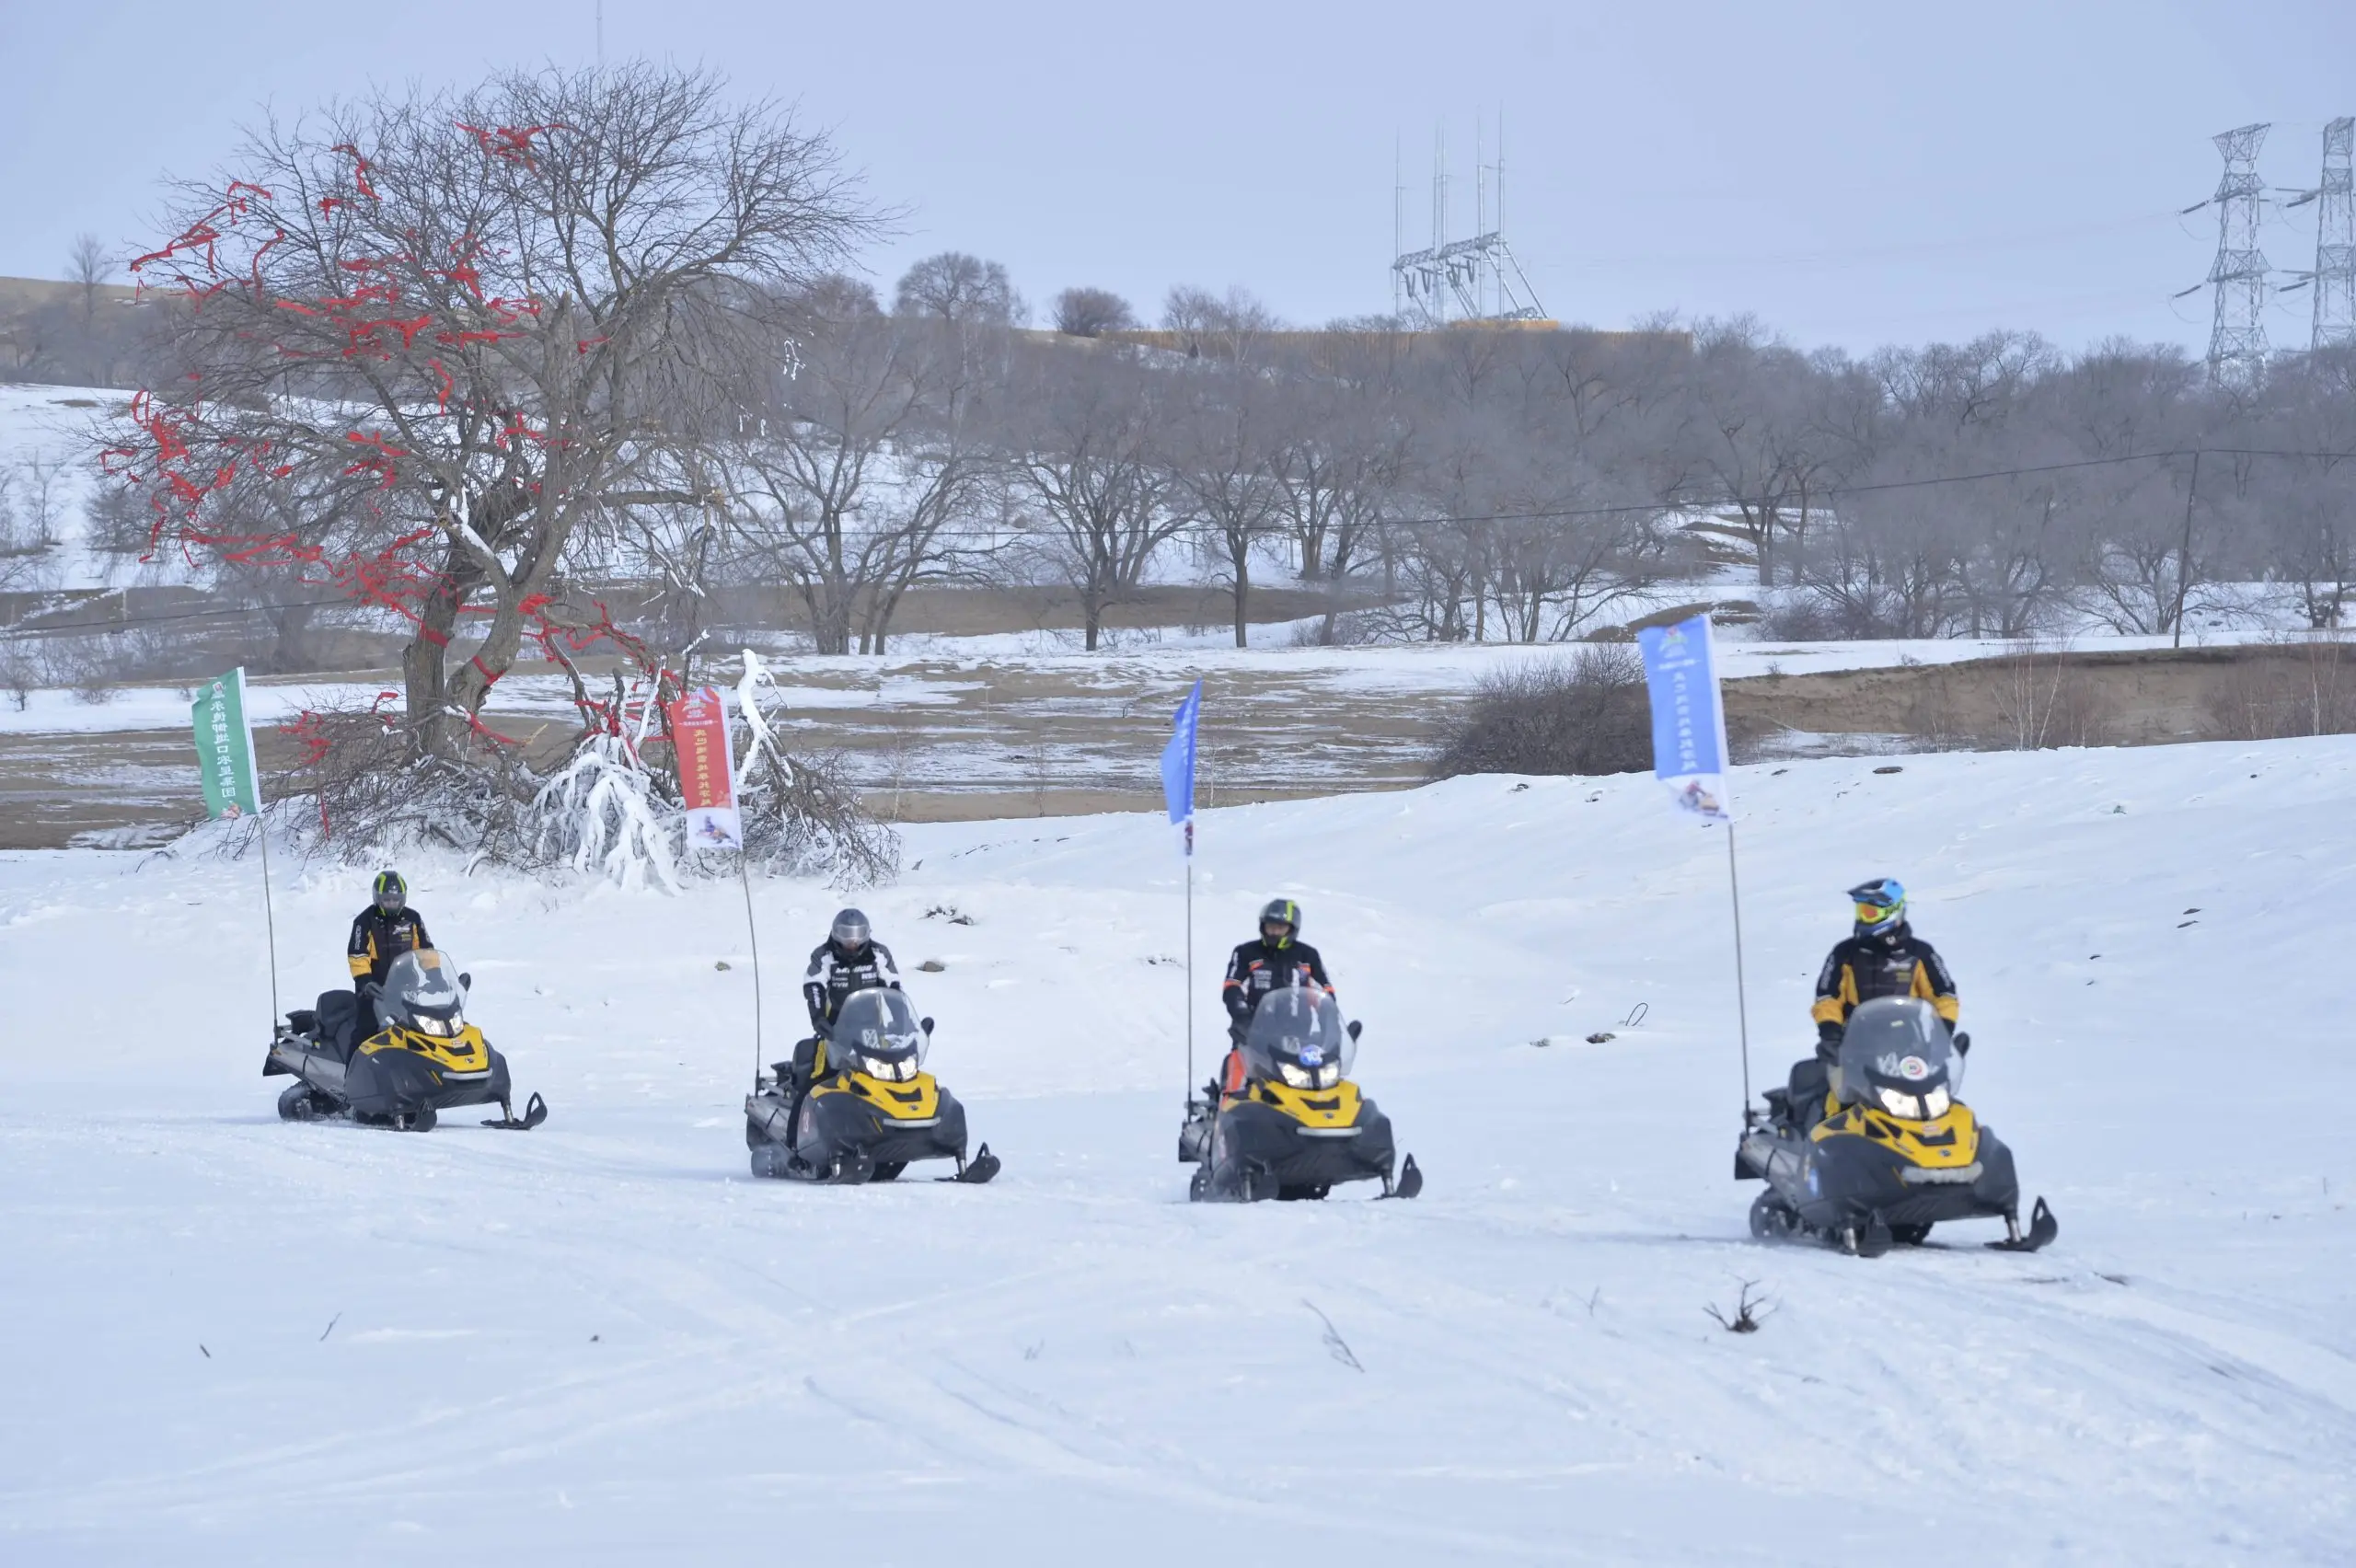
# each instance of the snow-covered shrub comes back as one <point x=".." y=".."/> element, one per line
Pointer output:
<point x="608" y="807"/>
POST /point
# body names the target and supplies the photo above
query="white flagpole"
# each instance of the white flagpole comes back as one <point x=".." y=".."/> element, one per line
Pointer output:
<point x="1190" y="962"/>
<point x="752" y="938"/>
<point x="262" y="827"/>
<point x="1741" y="992"/>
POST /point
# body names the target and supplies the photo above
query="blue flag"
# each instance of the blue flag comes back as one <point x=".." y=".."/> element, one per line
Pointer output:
<point x="1178" y="761"/>
<point x="1688" y="722"/>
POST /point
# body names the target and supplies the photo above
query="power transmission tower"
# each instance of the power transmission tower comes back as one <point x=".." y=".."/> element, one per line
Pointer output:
<point x="1476" y="280"/>
<point x="2334" y="278"/>
<point x="2237" y="337"/>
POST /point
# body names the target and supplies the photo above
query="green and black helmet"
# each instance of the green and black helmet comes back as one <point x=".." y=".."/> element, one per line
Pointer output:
<point x="1281" y="911"/>
<point x="390" y="891"/>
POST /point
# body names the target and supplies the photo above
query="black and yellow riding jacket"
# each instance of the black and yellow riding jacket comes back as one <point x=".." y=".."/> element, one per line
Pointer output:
<point x="1260" y="966"/>
<point x="1896" y="963"/>
<point x="377" y="938"/>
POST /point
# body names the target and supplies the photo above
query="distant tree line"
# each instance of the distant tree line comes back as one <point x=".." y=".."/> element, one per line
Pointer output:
<point x="418" y="357"/>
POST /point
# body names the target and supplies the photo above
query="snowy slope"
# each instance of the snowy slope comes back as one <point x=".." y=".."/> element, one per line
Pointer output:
<point x="603" y="1343"/>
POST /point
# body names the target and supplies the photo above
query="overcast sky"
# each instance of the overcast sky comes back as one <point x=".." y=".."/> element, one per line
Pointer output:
<point x="1852" y="174"/>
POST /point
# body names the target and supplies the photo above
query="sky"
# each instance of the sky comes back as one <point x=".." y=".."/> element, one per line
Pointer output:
<point x="1853" y="175"/>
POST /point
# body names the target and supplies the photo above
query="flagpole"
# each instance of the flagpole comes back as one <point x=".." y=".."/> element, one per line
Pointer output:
<point x="269" y="915"/>
<point x="752" y="938"/>
<point x="1190" y="962"/>
<point x="1741" y="991"/>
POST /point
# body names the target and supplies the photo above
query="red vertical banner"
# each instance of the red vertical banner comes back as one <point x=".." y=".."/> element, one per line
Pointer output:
<point x="707" y="770"/>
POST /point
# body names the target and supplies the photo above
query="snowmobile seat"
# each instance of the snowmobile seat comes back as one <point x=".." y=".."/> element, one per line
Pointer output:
<point x="1811" y="1080"/>
<point x="302" y="1020"/>
<point x="337" y="1021"/>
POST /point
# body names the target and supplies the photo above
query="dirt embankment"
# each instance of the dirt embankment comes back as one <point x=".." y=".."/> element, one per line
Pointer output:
<point x="2034" y="700"/>
<point x="1019" y="740"/>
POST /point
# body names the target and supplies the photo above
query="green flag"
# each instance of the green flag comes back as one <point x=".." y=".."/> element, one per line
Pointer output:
<point x="224" y="748"/>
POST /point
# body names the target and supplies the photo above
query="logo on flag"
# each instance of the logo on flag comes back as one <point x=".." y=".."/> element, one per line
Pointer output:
<point x="224" y="748"/>
<point x="707" y="770"/>
<point x="1689" y="720"/>
<point x="1178" y="764"/>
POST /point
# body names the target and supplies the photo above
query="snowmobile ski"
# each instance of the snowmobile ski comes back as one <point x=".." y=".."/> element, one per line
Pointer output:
<point x="2043" y="1228"/>
<point x="536" y="1111"/>
<point x="1410" y="1182"/>
<point x="977" y="1171"/>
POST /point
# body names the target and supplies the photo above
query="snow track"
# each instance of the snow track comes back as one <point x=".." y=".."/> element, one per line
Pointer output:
<point x="238" y="1340"/>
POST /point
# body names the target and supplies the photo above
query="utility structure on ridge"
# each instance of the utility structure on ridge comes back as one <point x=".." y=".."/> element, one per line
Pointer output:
<point x="2335" y="274"/>
<point x="1471" y="281"/>
<point x="2238" y="338"/>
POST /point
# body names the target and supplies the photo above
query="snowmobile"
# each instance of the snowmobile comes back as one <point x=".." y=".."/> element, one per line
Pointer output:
<point x="1879" y="1150"/>
<point x="856" y="1104"/>
<point x="424" y="1059"/>
<point x="1299" y="1125"/>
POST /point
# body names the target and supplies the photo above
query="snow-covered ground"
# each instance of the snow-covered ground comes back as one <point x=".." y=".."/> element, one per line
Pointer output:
<point x="233" y="1340"/>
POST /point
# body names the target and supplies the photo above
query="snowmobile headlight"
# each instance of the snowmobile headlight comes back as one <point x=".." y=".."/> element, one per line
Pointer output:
<point x="1900" y="1103"/>
<point x="1329" y="1074"/>
<point x="440" y="1028"/>
<point x="1935" y="1102"/>
<point x="890" y="1070"/>
<point x="1298" y="1076"/>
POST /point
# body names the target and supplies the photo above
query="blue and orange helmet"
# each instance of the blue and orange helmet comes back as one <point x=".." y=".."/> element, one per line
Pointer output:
<point x="1881" y="905"/>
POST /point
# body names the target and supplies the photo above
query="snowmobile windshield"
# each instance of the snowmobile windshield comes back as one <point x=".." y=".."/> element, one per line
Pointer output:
<point x="876" y="1032"/>
<point x="1298" y="1037"/>
<point x="421" y="992"/>
<point x="1897" y="1056"/>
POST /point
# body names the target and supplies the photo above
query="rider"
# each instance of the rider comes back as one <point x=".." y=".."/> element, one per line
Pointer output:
<point x="1881" y="957"/>
<point x="849" y="960"/>
<point x="1277" y="960"/>
<point x="380" y="934"/>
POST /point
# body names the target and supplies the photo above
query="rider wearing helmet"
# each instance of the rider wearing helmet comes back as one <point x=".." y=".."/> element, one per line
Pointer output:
<point x="380" y="934"/>
<point x="1275" y="961"/>
<point x="1882" y="957"/>
<point x="851" y="958"/>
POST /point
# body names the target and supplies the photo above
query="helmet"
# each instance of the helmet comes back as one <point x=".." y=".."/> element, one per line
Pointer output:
<point x="1881" y="906"/>
<point x="390" y="892"/>
<point x="1285" y="912"/>
<point x="850" y="931"/>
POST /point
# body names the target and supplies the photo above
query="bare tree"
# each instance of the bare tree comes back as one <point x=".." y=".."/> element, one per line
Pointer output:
<point x="1090" y="452"/>
<point x="1223" y="466"/>
<point x="846" y="480"/>
<point x="1092" y="312"/>
<point x="1224" y="326"/>
<point x="476" y="328"/>
<point x="959" y="290"/>
<point x="87" y="266"/>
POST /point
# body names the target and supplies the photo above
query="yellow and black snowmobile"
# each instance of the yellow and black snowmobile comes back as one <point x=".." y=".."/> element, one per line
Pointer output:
<point x="856" y="1106"/>
<point x="1299" y="1125"/>
<point x="424" y="1059"/>
<point x="1879" y="1149"/>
